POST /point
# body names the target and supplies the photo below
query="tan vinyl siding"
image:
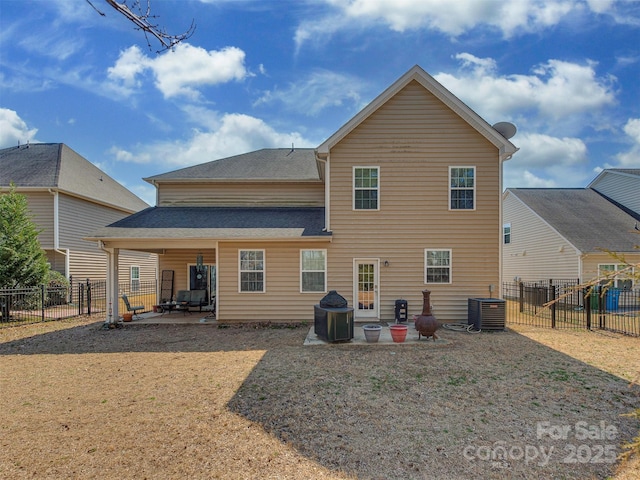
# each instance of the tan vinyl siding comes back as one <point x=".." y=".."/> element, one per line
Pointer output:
<point x="621" y="188"/>
<point x="242" y="194"/>
<point x="414" y="138"/>
<point x="536" y="251"/>
<point x="282" y="300"/>
<point x="591" y="261"/>
<point x="41" y="207"/>
<point x="78" y="218"/>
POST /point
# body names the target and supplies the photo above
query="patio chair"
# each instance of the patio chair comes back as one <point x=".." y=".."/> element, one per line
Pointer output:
<point x="135" y="309"/>
<point x="183" y="300"/>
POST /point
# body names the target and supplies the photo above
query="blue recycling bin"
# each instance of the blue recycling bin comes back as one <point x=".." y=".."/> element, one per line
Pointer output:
<point x="612" y="299"/>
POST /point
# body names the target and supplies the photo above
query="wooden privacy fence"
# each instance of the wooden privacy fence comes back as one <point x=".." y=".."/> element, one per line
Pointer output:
<point x="42" y="303"/>
<point x="563" y="304"/>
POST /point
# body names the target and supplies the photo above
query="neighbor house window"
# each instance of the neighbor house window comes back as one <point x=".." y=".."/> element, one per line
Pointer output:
<point x="365" y="188"/>
<point x="313" y="270"/>
<point x="437" y="266"/>
<point x="506" y="233"/>
<point x="251" y="270"/>
<point x="462" y="188"/>
<point x="622" y="280"/>
<point x="134" y="278"/>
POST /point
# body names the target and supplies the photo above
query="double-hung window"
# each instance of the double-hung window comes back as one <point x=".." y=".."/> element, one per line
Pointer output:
<point x="462" y="188"/>
<point x="506" y="233"/>
<point x="366" y="188"/>
<point x="437" y="266"/>
<point x="313" y="270"/>
<point x="608" y="273"/>
<point x="135" y="278"/>
<point x="251" y="270"/>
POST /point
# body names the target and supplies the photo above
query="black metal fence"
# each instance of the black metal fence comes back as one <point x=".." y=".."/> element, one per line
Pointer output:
<point x="42" y="303"/>
<point x="564" y="304"/>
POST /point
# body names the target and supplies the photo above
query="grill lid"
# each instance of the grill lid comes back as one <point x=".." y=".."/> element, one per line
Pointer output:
<point x="333" y="300"/>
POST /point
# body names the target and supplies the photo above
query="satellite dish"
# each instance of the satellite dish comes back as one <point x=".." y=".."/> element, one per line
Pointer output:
<point x="506" y="129"/>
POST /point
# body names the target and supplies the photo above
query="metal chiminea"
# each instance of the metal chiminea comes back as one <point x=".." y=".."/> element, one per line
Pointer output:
<point x="333" y="318"/>
<point x="426" y="323"/>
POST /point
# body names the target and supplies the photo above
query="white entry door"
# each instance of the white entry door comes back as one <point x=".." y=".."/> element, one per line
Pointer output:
<point x="366" y="289"/>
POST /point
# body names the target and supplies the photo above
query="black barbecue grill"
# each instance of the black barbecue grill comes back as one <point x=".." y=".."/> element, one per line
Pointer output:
<point x="333" y="318"/>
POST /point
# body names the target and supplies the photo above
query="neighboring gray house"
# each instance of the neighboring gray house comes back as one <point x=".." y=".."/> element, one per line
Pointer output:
<point x="567" y="233"/>
<point x="70" y="197"/>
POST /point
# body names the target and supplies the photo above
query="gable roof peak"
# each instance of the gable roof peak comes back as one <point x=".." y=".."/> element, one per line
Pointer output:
<point x="418" y="74"/>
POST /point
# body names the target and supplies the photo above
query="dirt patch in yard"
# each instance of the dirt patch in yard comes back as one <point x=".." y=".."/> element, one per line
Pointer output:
<point x="198" y="401"/>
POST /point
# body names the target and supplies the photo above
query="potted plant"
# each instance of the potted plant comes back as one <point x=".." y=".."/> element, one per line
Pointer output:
<point x="127" y="317"/>
<point x="398" y="332"/>
<point x="372" y="333"/>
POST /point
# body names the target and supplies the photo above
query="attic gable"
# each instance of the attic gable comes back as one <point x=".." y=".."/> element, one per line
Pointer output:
<point x="417" y="74"/>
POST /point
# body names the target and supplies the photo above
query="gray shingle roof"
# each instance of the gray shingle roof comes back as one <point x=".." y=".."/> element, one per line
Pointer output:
<point x="218" y="222"/>
<point x="582" y="216"/>
<point x="267" y="164"/>
<point x="55" y="165"/>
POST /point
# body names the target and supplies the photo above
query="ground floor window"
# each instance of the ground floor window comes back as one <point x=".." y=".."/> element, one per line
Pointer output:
<point x="134" y="278"/>
<point x="620" y="275"/>
<point x="437" y="266"/>
<point x="251" y="270"/>
<point x="313" y="270"/>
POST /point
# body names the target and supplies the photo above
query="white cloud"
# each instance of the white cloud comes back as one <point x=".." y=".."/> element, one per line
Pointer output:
<point x="631" y="158"/>
<point x="179" y="72"/>
<point x="234" y="134"/>
<point x="555" y="90"/>
<point x="543" y="157"/>
<point x="452" y="18"/>
<point x="14" y="130"/>
<point x="319" y="90"/>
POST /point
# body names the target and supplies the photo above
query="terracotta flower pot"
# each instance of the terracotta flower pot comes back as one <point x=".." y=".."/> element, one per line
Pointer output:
<point x="372" y="333"/>
<point x="127" y="317"/>
<point x="398" y="333"/>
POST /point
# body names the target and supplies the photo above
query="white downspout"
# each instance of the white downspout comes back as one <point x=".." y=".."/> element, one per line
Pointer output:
<point x="56" y="233"/>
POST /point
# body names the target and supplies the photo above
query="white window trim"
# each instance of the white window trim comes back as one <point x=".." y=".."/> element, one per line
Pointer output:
<point x="132" y="279"/>
<point x="264" y="270"/>
<point x="450" y="265"/>
<point x="324" y="250"/>
<point x="353" y="189"/>
<point x="475" y="187"/>
<point x="617" y="266"/>
<point x="504" y="226"/>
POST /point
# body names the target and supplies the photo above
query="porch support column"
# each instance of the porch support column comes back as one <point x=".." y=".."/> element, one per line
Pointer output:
<point x="113" y="314"/>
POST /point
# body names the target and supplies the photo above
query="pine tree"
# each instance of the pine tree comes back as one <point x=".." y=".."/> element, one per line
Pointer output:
<point x="23" y="262"/>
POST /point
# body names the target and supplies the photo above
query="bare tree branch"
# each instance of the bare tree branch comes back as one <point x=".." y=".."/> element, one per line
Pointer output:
<point x="142" y="22"/>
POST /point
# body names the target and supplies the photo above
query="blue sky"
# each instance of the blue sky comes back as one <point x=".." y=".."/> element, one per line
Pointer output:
<point x="266" y="73"/>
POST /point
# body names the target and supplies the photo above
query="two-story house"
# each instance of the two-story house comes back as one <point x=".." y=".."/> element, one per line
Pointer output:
<point x="406" y="196"/>
<point x="69" y="197"/>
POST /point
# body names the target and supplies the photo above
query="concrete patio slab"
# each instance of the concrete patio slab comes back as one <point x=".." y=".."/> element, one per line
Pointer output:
<point x="385" y="337"/>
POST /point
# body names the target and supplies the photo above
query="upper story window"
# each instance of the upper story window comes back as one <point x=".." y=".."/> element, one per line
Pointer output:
<point x="366" y="188"/>
<point x="313" y="270"/>
<point x="462" y="188"/>
<point x="437" y="266"/>
<point x="251" y="270"/>
<point x="506" y="233"/>
<point x="609" y="273"/>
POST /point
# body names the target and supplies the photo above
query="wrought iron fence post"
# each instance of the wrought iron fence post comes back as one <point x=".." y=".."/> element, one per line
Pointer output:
<point x="521" y="295"/>
<point x="88" y="297"/>
<point x="552" y="294"/>
<point x="587" y="306"/>
<point x="42" y="301"/>
<point x="80" y="298"/>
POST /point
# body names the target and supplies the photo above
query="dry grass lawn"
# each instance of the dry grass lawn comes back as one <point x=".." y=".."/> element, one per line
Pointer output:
<point x="200" y="402"/>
